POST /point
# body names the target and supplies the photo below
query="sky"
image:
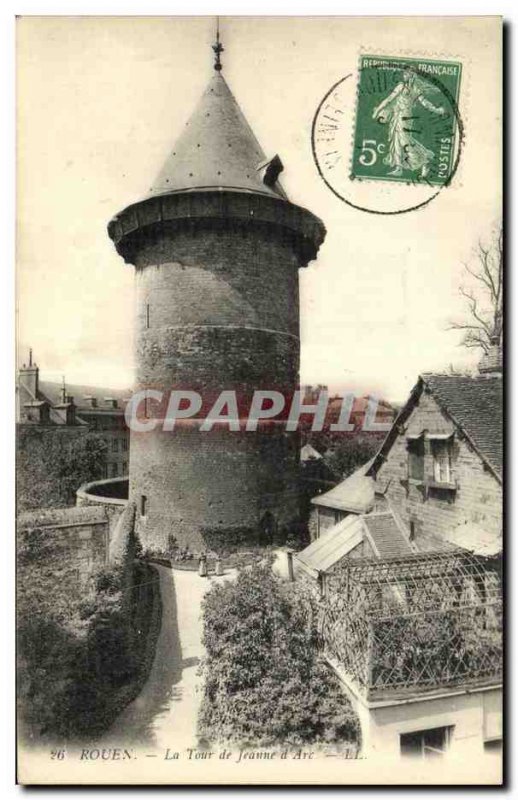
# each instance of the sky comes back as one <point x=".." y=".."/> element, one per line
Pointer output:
<point x="101" y="101"/>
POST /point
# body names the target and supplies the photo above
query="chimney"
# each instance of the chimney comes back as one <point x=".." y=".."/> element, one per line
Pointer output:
<point x="28" y="377"/>
<point x="44" y="414"/>
<point x="91" y="401"/>
<point x="70" y="409"/>
<point x="112" y="402"/>
<point x="492" y="363"/>
<point x="36" y="411"/>
<point x="68" y="406"/>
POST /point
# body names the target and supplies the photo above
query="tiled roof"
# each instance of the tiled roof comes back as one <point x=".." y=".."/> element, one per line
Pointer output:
<point x="476" y="404"/>
<point x="79" y="392"/>
<point x="56" y="416"/>
<point x="386" y="536"/>
<point x="381" y="531"/>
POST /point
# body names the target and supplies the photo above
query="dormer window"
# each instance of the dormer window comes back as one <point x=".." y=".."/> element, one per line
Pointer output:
<point x="441" y="449"/>
<point x="270" y="171"/>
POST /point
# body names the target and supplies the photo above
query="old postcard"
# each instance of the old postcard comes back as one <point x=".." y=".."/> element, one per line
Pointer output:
<point x="259" y="400"/>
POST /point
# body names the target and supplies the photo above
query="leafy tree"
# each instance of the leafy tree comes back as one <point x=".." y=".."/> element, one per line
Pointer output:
<point x="350" y="454"/>
<point x="52" y="464"/>
<point x="264" y="681"/>
<point x="343" y="451"/>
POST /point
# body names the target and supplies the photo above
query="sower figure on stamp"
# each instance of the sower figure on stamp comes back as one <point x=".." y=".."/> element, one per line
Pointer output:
<point x="404" y="150"/>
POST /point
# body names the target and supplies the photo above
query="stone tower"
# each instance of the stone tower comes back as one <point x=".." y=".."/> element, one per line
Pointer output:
<point x="216" y="247"/>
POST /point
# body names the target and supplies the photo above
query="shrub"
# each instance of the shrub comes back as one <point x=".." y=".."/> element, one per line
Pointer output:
<point x="264" y="681"/>
<point x="226" y="540"/>
<point x="109" y="580"/>
<point x="78" y="659"/>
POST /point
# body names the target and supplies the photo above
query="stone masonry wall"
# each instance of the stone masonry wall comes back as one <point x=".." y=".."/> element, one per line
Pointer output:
<point x="80" y="536"/>
<point x="213" y="489"/>
<point x="112" y="506"/>
<point x="217" y="308"/>
<point x="220" y="276"/>
<point x="478" y="498"/>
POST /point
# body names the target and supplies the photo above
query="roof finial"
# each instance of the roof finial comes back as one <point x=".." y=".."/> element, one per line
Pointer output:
<point x="218" y="49"/>
<point x="30" y="357"/>
<point x="63" y="390"/>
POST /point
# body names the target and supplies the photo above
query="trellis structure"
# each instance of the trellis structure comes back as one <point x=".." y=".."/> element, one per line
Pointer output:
<point x="414" y="624"/>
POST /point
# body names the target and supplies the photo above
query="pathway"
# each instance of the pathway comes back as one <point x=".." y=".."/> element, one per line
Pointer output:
<point x="164" y="713"/>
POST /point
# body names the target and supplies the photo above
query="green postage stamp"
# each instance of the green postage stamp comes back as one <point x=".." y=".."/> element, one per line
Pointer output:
<point x="407" y="125"/>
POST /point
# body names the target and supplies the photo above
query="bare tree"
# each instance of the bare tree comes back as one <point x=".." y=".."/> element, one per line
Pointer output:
<point x="483" y="322"/>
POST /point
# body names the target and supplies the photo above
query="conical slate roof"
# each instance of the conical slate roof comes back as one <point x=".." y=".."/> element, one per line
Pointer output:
<point x="217" y="149"/>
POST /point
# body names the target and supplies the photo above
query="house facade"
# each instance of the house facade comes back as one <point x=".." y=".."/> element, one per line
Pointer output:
<point x="441" y="465"/>
<point x="354" y="495"/>
<point x="439" y="469"/>
<point x="74" y="410"/>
